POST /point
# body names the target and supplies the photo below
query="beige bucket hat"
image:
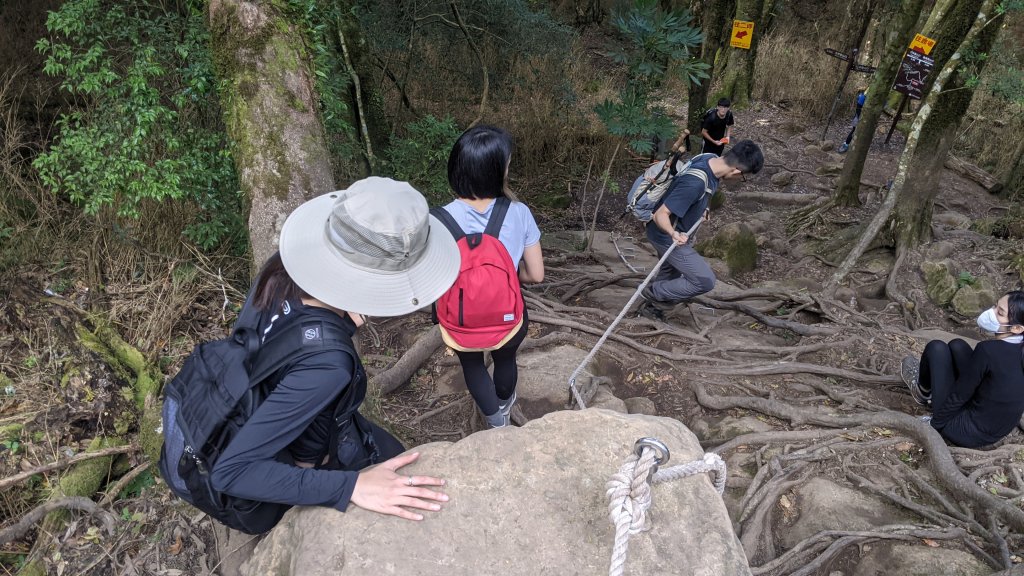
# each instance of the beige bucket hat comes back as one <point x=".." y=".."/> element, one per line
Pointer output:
<point x="373" y="249"/>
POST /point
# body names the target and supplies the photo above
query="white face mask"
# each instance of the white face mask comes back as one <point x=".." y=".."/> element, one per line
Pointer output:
<point x="988" y="322"/>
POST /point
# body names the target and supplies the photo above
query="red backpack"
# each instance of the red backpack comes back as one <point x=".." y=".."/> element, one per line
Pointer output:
<point x="484" y="308"/>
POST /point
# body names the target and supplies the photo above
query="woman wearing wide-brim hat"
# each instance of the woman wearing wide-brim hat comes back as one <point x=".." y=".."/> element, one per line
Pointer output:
<point x="373" y="250"/>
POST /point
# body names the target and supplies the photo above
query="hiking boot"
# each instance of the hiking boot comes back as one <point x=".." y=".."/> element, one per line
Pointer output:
<point x="910" y="371"/>
<point x="843" y="148"/>
<point x="651" y="312"/>
<point x="648" y="295"/>
<point x="650" y="309"/>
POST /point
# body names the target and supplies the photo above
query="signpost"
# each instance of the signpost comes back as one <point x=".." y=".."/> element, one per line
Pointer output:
<point x="742" y="32"/>
<point x="852" y="66"/>
<point x="912" y="75"/>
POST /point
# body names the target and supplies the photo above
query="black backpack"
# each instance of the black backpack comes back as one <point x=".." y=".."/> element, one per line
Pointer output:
<point x="220" y="385"/>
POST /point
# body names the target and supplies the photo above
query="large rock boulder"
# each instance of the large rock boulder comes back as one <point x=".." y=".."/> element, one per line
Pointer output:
<point x="527" y="500"/>
<point x="971" y="299"/>
<point x="826" y="505"/>
<point x="940" y="284"/>
<point x="735" y="244"/>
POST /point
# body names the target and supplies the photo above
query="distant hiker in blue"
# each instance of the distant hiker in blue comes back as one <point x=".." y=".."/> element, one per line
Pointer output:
<point x="862" y="97"/>
<point x="686" y="274"/>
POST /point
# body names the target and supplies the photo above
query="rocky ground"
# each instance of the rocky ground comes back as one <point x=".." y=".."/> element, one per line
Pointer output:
<point x="830" y="472"/>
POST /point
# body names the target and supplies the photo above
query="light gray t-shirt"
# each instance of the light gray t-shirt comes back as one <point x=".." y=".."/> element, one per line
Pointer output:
<point x="518" y="231"/>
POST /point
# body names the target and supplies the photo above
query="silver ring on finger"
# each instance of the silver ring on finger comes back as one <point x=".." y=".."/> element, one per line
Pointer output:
<point x="408" y="481"/>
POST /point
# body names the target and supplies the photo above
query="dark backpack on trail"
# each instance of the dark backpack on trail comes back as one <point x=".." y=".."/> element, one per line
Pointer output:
<point x="220" y="386"/>
<point x="649" y="190"/>
<point x="484" y="308"/>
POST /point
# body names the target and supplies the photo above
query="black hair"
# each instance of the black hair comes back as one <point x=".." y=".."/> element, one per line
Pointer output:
<point x="746" y="156"/>
<point x="724" y="102"/>
<point x="1015" y="314"/>
<point x="1015" y="307"/>
<point x="274" y="285"/>
<point x="478" y="163"/>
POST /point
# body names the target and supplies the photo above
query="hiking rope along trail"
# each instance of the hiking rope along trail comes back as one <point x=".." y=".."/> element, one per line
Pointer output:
<point x="629" y="491"/>
<point x="611" y="327"/>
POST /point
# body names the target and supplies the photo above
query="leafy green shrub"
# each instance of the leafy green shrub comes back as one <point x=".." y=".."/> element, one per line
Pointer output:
<point x="657" y="44"/>
<point x="146" y="127"/>
<point x="421" y="157"/>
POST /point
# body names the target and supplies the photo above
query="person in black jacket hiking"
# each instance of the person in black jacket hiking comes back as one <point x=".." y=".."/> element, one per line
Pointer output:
<point x="976" y="396"/>
<point x="374" y="249"/>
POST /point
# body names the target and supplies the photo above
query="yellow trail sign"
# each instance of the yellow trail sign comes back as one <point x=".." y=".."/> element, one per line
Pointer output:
<point x="922" y="44"/>
<point x="742" y="32"/>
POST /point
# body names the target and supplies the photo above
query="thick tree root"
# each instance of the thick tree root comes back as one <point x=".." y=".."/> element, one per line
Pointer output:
<point x="939" y="461"/>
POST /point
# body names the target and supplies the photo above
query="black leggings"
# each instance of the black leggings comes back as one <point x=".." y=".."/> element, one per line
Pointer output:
<point x="488" y="392"/>
<point x="941" y="365"/>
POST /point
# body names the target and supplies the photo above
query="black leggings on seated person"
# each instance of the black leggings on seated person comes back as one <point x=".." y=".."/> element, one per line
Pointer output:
<point x="941" y="365"/>
<point x="487" y="392"/>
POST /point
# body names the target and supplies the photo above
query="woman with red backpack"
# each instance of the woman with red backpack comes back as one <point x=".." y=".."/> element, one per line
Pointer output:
<point x="483" y="311"/>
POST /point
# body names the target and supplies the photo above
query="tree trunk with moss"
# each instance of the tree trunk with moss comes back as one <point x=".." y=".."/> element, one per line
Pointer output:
<point x="270" y="108"/>
<point x="848" y="187"/>
<point x="738" y="74"/>
<point x="711" y="17"/>
<point x="913" y="214"/>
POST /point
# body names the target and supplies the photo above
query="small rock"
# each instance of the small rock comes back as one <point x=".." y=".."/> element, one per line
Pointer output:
<point x="641" y="405"/>
<point x="606" y="399"/>
<point x="783" y="178"/>
<point x="828" y="145"/>
<point x="828" y="169"/>
<point x="940" y="284"/>
<point x="720" y="268"/>
<point x="812" y="150"/>
<point x="734" y="243"/>
<point x="847" y="296"/>
<point x="779" y="246"/>
<point x="939" y="250"/>
<point x="757" y="226"/>
<point x="809" y="137"/>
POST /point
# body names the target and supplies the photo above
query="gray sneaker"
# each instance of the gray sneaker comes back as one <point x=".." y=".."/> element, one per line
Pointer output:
<point x="910" y="371"/>
<point x="505" y="408"/>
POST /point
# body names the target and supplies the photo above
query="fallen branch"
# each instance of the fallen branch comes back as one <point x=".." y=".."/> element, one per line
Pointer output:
<point x="116" y="489"/>
<point x="61" y="464"/>
<point x="398" y="375"/>
<point x="776" y="197"/>
<point x="21" y="527"/>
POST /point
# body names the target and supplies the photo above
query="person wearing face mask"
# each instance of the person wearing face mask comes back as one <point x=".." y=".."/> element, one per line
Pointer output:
<point x="372" y="248"/>
<point x="976" y="396"/>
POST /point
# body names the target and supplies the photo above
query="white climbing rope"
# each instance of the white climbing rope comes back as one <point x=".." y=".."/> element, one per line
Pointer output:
<point x="629" y="491"/>
<point x="611" y="327"/>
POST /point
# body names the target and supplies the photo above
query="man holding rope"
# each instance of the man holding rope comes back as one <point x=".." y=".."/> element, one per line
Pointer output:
<point x="686" y="274"/>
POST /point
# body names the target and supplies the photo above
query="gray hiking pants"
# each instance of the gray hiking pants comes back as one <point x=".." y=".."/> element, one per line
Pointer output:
<point x="684" y="275"/>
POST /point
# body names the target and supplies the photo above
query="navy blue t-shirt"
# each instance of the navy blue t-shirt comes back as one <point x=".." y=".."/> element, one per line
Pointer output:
<point x="686" y="200"/>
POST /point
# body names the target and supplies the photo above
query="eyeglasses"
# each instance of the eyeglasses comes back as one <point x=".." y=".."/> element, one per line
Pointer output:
<point x="743" y="177"/>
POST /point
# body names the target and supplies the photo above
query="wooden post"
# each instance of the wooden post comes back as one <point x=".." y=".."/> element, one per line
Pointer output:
<point x="896" y="118"/>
